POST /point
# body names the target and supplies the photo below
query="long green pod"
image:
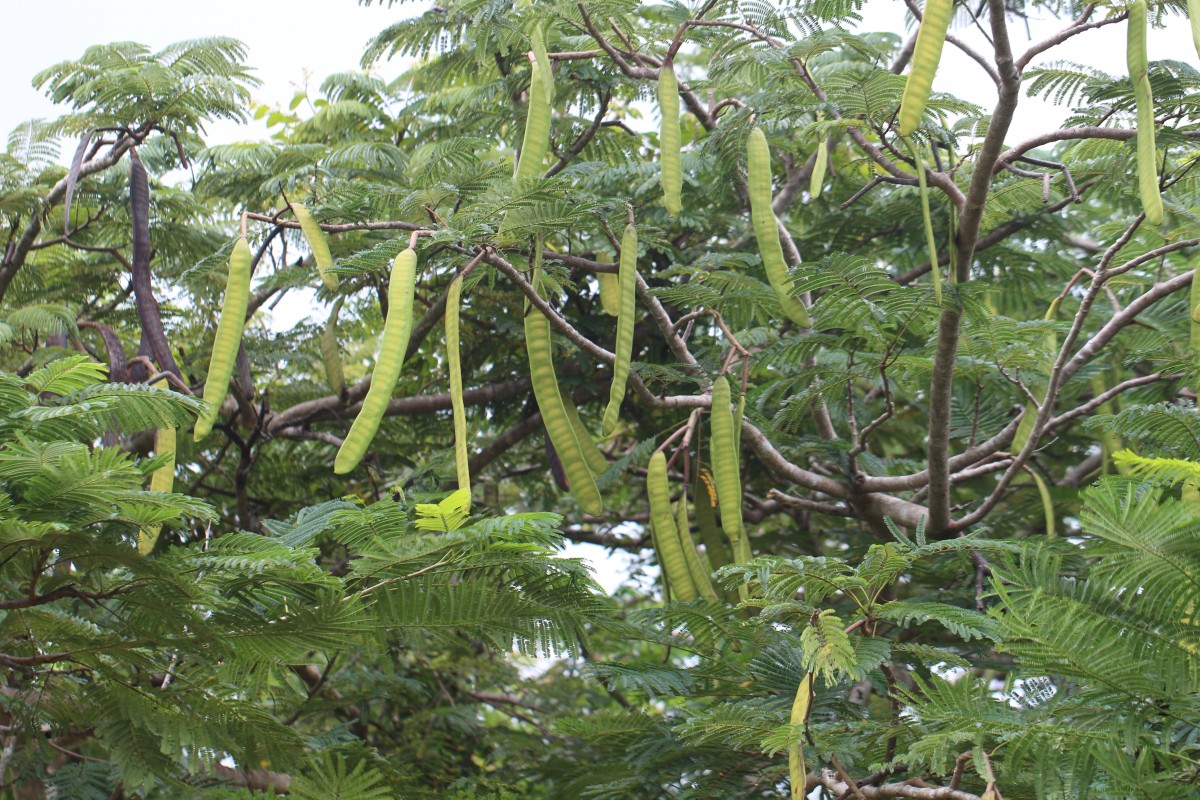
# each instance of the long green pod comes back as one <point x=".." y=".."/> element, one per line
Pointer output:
<point x="396" y="331"/>
<point x="766" y="227"/>
<point x="669" y="140"/>
<point x="931" y="36"/>
<point x="454" y="365"/>
<point x="162" y="479"/>
<point x="627" y="285"/>
<point x="715" y="547"/>
<point x="610" y="293"/>
<point x="596" y="461"/>
<point x="1194" y="18"/>
<point x="331" y="354"/>
<point x="670" y="553"/>
<point x="554" y="415"/>
<point x="538" y="44"/>
<point x="927" y="218"/>
<point x="1194" y="316"/>
<point x="228" y="336"/>
<point x="726" y="470"/>
<point x="1147" y="154"/>
<point x="701" y="577"/>
<point x="318" y="242"/>
<point x="816" y="181"/>
<point x="1025" y="427"/>
<point x="536" y="142"/>
<point x="1047" y="502"/>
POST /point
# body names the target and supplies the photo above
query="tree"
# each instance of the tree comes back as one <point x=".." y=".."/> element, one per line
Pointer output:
<point x="967" y="331"/>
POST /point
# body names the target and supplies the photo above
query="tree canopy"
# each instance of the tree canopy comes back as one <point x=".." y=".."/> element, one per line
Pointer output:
<point x="906" y="422"/>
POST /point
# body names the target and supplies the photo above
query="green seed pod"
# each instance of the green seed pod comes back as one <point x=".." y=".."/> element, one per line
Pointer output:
<point x="610" y="294"/>
<point x="1047" y="503"/>
<point x="597" y="463"/>
<point x="536" y="142"/>
<point x="228" y="337"/>
<point x="766" y="227"/>
<point x="538" y="45"/>
<point x="700" y="575"/>
<point x="930" y="242"/>
<point x="627" y="284"/>
<point x="319" y="244"/>
<point x="331" y="355"/>
<point x="1025" y="427"/>
<point x="671" y="166"/>
<point x="396" y="331"/>
<point x="666" y="536"/>
<point x="1147" y="155"/>
<point x="1194" y="18"/>
<point x="931" y="36"/>
<point x="454" y="362"/>
<point x="554" y="415"/>
<point x="817" y="180"/>
<point x="726" y="470"/>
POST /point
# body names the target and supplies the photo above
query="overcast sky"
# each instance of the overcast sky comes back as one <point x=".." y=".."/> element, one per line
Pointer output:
<point x="291" y="41"/>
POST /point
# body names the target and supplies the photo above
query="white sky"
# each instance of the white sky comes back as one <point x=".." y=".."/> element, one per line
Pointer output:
<point x="291" y="41"/>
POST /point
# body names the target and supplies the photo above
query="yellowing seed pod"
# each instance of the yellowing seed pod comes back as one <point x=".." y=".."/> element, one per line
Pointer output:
<point x="396" y="331"/>
<point x="817" y="180"/>
<point x="162" y="479"/>
<point x="726" y="470"/>
<point x="797" y="772"/>
<point x="228" y="337"/>
<point x="610" y="294"/>
<point x="931" y="36"/>
<point x="454" y="363"/>
<point x="701" y="576"/>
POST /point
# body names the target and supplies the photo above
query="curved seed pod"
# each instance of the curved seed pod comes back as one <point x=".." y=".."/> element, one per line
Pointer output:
<point x="701" y="577"/>
<point x="331" y="355"/>
<point x="538" y="45"/>
<point x="1025" y="427"/>
<point x="726" y="470"/>
<point x="454" y="362"/>
<point x="1147" y="155"/>
<point x="610" y="295"/>
<point x="935" y="23"/>
<point x="554" y="415"/>
<point x="161" y="480"/>
<point x="228" y="338"/>
<point x="1047" y="503"/>
<point x="670" y="166"/>
<point x="536" y="142"/>
<point x="935" y="269"/>
<point x="396" y="331"/>
<point x="797" y="772"/>
<point x="666" y="536"/>
<point x="318" y="242"/>
<point x="627" y="283"/>
<point x="817" y="180"/>
<point x="766" y="227"/>
<point x="1194" y="18"/>
<point x="596" y="461"/>
<point x="149" y="314"/>
<point x="739" y="414"/>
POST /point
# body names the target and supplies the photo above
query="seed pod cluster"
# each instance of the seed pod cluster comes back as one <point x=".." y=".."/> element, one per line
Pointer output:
<point x="396" y="331"/>
<point x="671" y="165"/>
<point x="1147" y="154"/>
<point x="318" y="243"/>
<point x="766" y="227"/>
<point x="627" y="289"/>
<point x="228" y="337"/>
<point x="665" y="533"/>
<point x="931" y="36"/>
